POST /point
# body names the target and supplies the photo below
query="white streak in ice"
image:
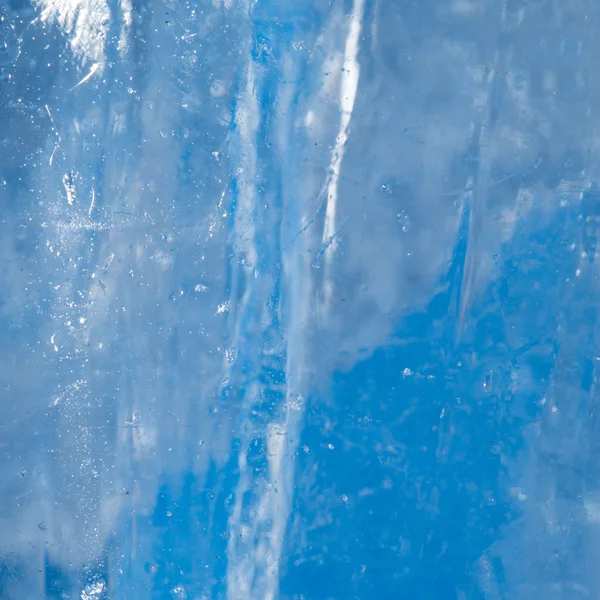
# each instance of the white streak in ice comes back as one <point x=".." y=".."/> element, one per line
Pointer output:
<point x="348" y="88"/>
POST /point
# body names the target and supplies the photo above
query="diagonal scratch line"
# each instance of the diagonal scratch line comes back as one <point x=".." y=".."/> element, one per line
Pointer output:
<point x="93" y="70"/>
<point x="56" y="133"/>
<point x="320" y="199"/>
<point x="491" y="184"/>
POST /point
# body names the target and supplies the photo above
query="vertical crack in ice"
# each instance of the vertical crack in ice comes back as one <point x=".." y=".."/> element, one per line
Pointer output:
<point x="262" y="505"/>
<point x="256" y="539"/>
<point x="348" y="88"/>
<point x="247" y="121"/>
<point x="241" y="564"/>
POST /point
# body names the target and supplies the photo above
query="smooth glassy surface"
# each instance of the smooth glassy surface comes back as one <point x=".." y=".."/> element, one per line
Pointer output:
<point x="299" y="300"/>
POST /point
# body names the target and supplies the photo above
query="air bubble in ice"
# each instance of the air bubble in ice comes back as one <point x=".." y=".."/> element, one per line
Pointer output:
<point x="231" y="355"/>
<point x="403" y="220"/>
<point x="93" y="590"/>
<point x="217" y="89"/>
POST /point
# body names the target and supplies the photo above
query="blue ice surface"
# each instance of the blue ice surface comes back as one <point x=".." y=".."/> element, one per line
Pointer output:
<point x="298" y="299"/>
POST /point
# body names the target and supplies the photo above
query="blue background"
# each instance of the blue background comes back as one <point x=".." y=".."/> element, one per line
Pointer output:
<point x="299" y="299"/>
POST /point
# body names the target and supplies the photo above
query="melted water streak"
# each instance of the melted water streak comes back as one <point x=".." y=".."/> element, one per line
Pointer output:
<point x="259" y="521"/>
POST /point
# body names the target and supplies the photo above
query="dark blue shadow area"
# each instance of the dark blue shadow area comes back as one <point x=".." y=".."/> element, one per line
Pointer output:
<point x="404" y="477"/>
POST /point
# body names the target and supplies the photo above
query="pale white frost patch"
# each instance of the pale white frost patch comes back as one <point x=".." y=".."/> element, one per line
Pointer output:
<point x="85" y="22"/>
